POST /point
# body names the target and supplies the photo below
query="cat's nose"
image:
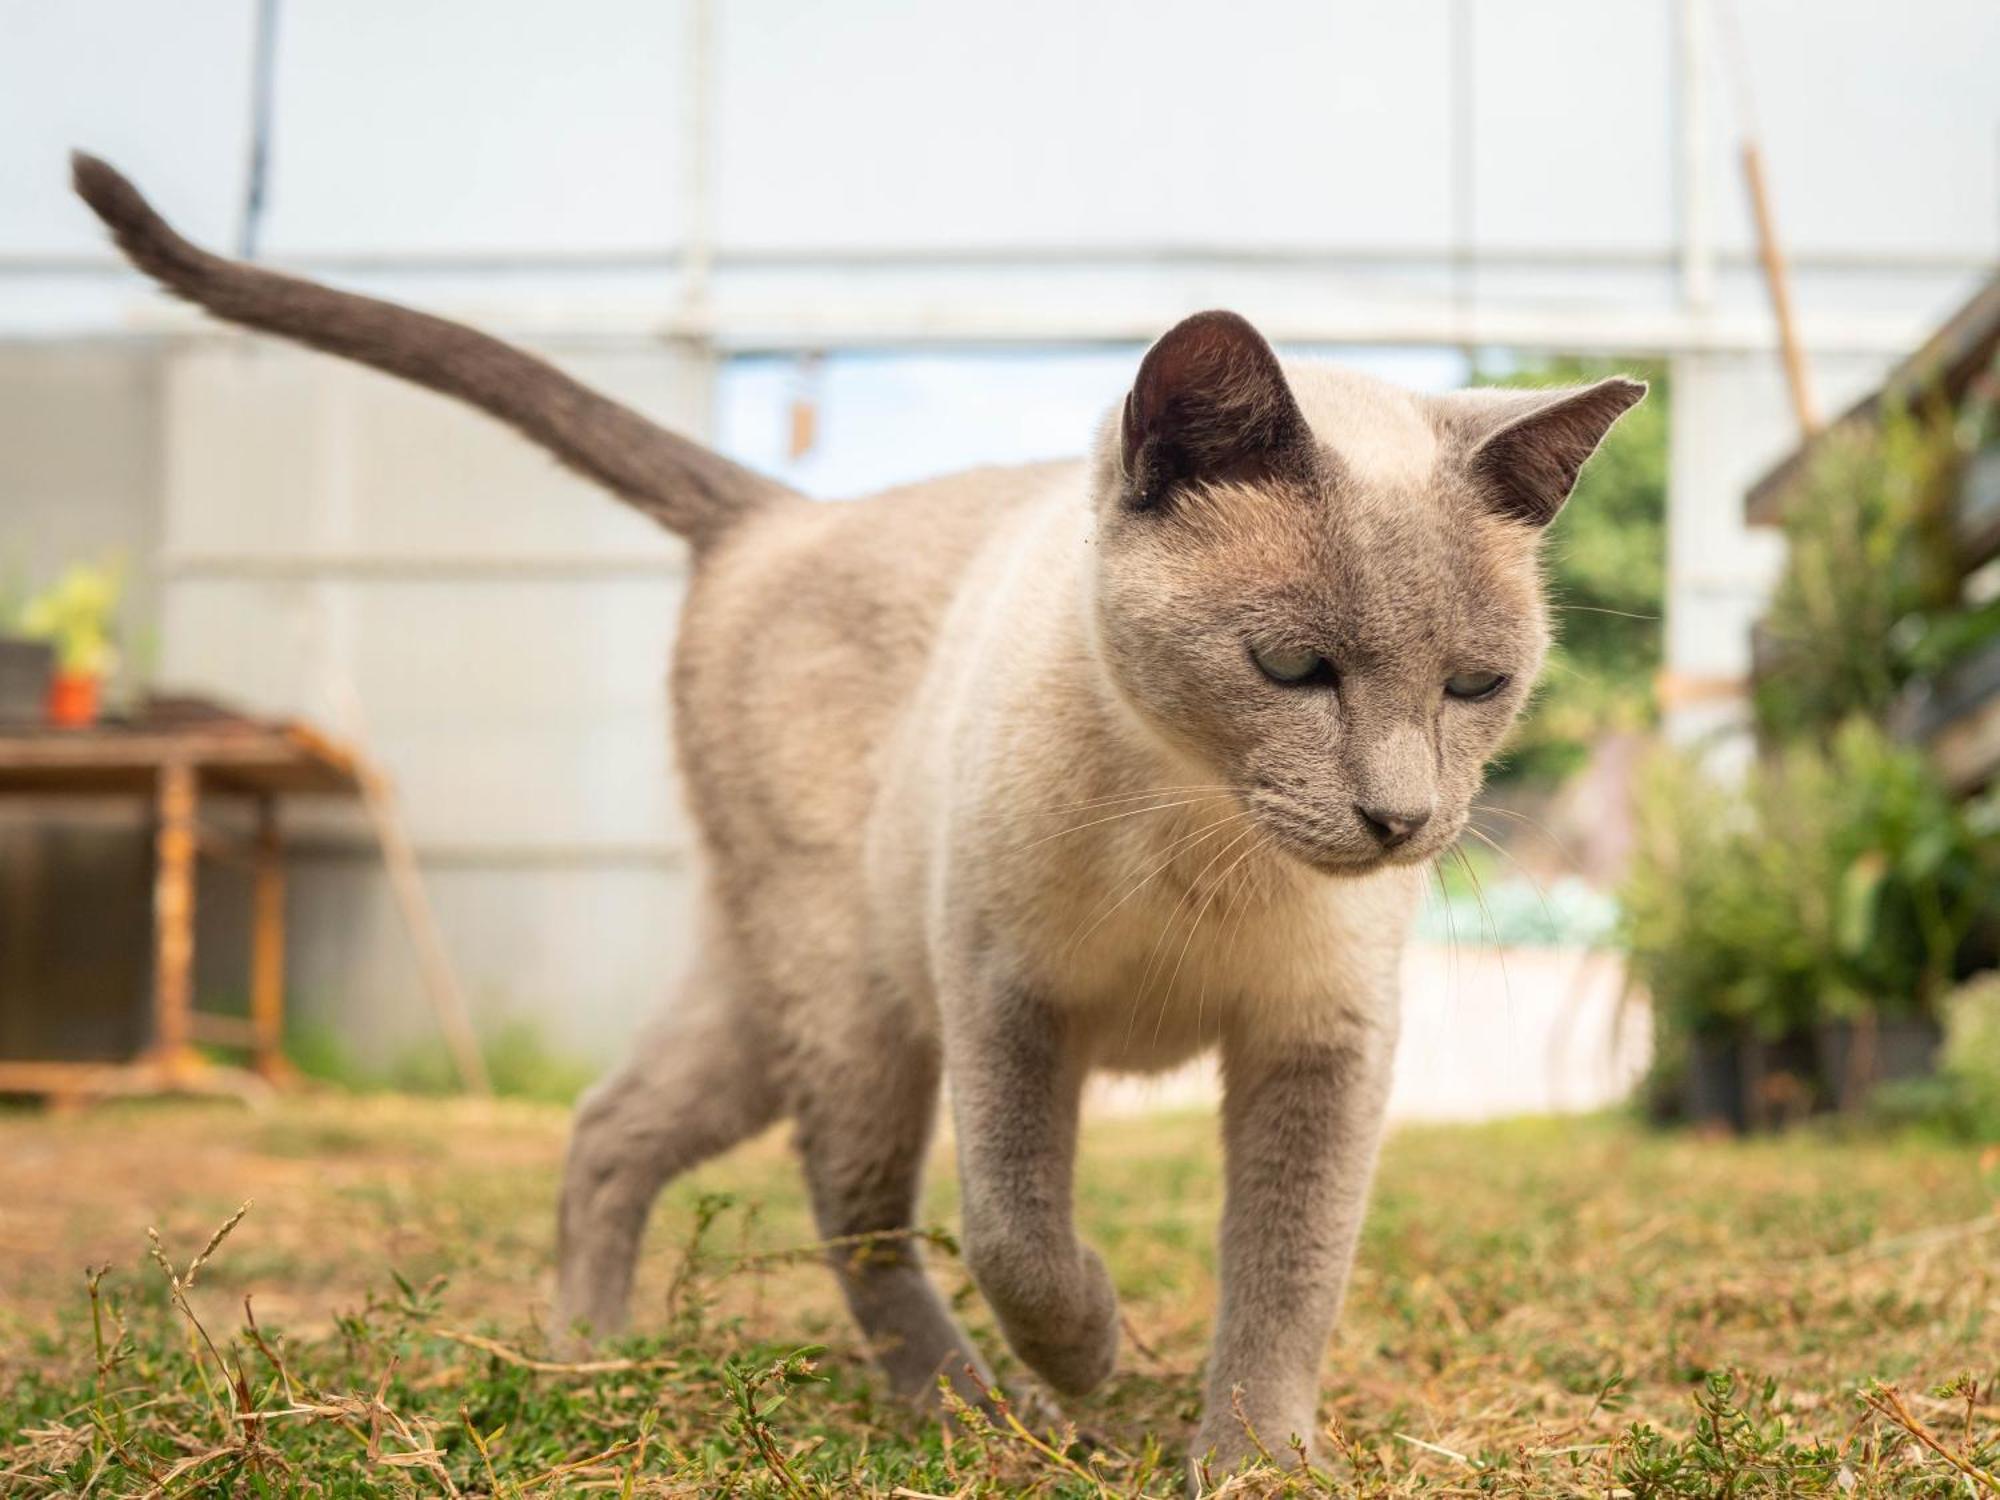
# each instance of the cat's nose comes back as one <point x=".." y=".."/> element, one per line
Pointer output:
<point x="1391" y="827"/>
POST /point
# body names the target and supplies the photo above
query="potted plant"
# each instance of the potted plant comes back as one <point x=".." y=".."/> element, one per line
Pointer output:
<point x="1796" y="929"/>
<point x="75" y="617"/>
<point x="1918" y="873"/>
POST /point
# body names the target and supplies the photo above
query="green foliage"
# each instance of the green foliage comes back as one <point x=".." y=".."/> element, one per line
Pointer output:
<point x="1544" y="1309"/>
<point x="78" y="615"/>
<point x="1833" y="883"/>
<point x="1867" y="566"/>
<point x="1607" y="562"/>
<point x="1739" y="1446"/>
<point x="519" y="1061"/>
<point x="1963" y="1099"/>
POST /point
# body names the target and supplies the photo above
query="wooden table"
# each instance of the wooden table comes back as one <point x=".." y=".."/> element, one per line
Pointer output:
<point x="173" y="766"/>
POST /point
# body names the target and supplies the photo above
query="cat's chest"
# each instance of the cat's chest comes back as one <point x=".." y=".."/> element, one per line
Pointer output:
<point x="1157" y="969"/>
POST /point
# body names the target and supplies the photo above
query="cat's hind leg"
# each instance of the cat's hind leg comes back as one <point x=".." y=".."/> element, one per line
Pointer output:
<point x="695" y="1085"/>
<point x="865" y="1116"/>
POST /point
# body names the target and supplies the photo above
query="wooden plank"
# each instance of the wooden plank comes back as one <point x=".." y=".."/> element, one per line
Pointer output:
<point x="255" y="758"/>
<point x="267" y="946"/>
<point x="173" y="915"/>
<point x="222" y="1031"/>
<point x="81" y="1080"/>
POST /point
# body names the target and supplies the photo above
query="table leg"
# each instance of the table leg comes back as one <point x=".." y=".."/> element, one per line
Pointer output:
<point x="267" y="945"/>
<point x="173" y="919"/>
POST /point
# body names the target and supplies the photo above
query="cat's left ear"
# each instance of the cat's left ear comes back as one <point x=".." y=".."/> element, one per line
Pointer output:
<point x="1531" y="445"/>
<point x="1210" y="405"/>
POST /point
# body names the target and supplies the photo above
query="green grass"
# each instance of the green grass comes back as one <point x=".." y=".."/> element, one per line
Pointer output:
<point x="1541" y="1308"/>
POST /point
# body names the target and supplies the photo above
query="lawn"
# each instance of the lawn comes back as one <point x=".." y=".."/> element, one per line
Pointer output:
<point x="1541" y="1308"/>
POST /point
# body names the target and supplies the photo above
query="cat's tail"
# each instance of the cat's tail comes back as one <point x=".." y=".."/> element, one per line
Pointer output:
<point x="679" y="483"/>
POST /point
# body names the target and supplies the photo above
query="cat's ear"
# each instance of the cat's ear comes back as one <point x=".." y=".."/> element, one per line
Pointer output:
<point x="1210" y="404"/>
<point x="1534" y="444"/>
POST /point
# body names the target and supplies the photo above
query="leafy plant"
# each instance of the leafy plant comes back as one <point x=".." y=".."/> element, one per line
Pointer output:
<point x="77" y="615"/>
<point x="1834" y="882"/>
<point x="1963" y="1099"/>
<point x="1868" y="562"/>
<point x="1606" y="557"/>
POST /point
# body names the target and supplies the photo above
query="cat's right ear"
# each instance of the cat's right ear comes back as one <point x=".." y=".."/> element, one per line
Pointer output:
<point x="1210" y="405"/>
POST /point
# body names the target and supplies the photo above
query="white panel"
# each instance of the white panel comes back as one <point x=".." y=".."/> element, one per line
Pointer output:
<point x="582" y="955"/>
<point x="886" y="123"/>
<point x="461" y="124"/>
<point x="1879" y="124"/>
<point x="1573" y="125"/>
<point x="278" y="452"/>
<point x="510" y="713"/>
<point x="160" y="89"/>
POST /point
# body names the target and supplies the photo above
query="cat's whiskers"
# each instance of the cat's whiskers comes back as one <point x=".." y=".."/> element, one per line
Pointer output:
<point x="1535" y="823"/>
<point x="1499" y="948"/>
<point x="1158" y="955"/>
<point x="1117" y="797"/>
<point x="1139" y="990"/>
<point x="1175" y="850"/>
<point x="1450" y="926"/>
<point x="1540" y="895"/>
<point x="1598" y="609"/>
<point x="1118" y="817"/>
<point x="1201" y="995"/>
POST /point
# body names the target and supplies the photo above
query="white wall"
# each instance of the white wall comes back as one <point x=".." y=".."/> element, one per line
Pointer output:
<point x="341" y="546"/>
<point x="1441" y="172"/>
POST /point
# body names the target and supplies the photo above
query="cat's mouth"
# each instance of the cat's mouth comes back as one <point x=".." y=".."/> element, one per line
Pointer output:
<point x="1332" y="846"/>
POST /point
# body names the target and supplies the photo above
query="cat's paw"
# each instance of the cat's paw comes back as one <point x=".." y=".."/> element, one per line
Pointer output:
<point x="1227" y="1442"/>
<point x="1073" y="1342"/>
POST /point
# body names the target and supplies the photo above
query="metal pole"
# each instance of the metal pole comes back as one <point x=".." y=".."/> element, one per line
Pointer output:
<point x="263" y="68"/>
<point x="1464" y="176"/>
<point x="1697" y="246"/>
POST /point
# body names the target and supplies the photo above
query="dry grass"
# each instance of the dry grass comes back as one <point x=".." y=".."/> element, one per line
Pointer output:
<point x="1542" y="1309"/>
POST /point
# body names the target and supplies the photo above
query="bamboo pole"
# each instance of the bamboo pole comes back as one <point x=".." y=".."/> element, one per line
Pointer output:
<point x="420" y="921"/>
<point x="1777" y="280"/>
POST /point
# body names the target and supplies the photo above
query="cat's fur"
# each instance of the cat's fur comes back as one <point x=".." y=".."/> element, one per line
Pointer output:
<point x="989" y="786"/>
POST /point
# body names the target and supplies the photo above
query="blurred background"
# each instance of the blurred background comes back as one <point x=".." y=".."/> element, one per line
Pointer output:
<point x="859" y="244"/>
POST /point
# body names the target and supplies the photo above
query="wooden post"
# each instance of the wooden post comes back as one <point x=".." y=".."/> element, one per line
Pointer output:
<point x="1798" y="377"/>
<point x="173" y="919"/>
<point x="406" y="881"/>
<point x="267" y="945"/>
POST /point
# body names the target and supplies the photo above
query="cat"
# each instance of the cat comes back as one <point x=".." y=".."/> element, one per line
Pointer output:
<point x="1027" y="772"/>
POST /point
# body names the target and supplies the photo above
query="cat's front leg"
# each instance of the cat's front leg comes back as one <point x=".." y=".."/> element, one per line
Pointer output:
<point x="1016" y="1078"/>
<point x="1302" y="1119"/>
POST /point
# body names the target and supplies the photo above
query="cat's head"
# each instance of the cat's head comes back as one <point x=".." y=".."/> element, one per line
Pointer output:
<point x="1326" y="590"/>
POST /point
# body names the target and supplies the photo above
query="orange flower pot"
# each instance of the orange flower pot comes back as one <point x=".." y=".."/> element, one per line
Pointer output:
<point x="74" y="699"/>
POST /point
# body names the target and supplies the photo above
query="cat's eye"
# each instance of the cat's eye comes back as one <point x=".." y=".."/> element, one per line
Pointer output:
<point x="1293" y="666"/>
<point x="1470" y="687"/>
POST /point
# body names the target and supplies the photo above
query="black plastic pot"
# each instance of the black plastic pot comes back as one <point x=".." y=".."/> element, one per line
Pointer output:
<point x="1712" y="1092"/>
<point x="1855" y="1056"/>
<point x="25" y="670"/>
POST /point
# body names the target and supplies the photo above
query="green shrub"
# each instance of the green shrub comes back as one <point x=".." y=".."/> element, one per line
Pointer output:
<point x="1963" y="1100"/>
<point x="1833" y="883"/>
<point x="1607" y="557"/>
<point x="1867" y="563"/>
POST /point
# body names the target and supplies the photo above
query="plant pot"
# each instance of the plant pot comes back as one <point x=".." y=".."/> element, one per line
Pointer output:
<point x="25" y="670"/>
<point x="74" y="699"/>
<point x="1854" y="1056"/>
<point x="1712" y="1091"/>
<point x="1779" y="1080"/>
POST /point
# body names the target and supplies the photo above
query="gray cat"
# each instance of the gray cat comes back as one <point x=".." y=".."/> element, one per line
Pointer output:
<point x="1028" y="772"/>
